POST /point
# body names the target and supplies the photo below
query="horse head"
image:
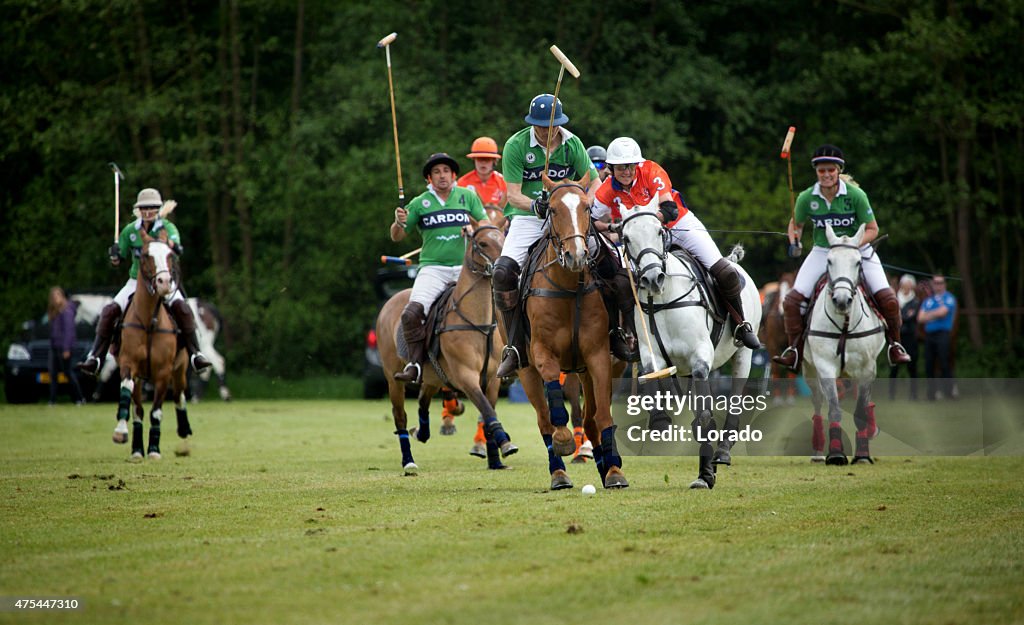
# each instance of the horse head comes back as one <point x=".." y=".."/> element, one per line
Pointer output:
<point x="156" y="264"/>
<point x="569" y="210"/>
<point x="843" y="267"/>
<point x="643" y="236"/>
<point x="485" y="245"/>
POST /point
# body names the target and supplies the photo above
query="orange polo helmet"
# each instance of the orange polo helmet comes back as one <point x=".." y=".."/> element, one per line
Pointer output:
<point x="484" y="147"/>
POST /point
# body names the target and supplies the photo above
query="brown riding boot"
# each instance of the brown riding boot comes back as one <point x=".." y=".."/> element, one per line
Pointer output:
<point x="414" y="329"/>
<point x="507" y="302"/>
<point x="104" y="332"/>
<point x="622" y="339"/>
<point x="890" y="308"/>
<point x="186" y="323"/>
<point x="793" y="321"/>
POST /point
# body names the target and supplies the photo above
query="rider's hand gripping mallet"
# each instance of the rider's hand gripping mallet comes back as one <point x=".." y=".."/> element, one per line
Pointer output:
<point x="667" y="372"/>
<point x="386" y="44"/>
<point x="118" y="177"/>
<point x="565" y="64"/>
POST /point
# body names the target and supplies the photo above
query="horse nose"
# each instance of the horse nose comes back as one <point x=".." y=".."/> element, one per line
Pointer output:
<point x="162" y="282"/>
<point x="659" y="282"/>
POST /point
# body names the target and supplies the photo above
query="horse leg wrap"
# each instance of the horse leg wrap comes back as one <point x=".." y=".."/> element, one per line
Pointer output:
<point x="818" y="433"/>
<point x="137" y="437"/>
<point x="609" y="451"/>
<point x="659" y="420"/>
<point x="155" y="418"/>
<point x="403" y="442"/>
<point x="863" y="448"/>
<point x="554" y="460"/>
<point x="835" y="437"/>
<point x="494" y="432"/>
<point x="493" y="456"/>
<point x="556" y="403"/>
<point x="423" y="433"/>
<point x="184" y="428"/>
<point x="602" y="470"/>
<point x="124" y="401"/>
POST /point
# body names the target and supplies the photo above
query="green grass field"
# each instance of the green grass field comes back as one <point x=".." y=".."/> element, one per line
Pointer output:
<point x="297" y="512"/>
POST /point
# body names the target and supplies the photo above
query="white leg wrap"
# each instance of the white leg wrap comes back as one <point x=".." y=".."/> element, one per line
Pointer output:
<point x="128" y="384"/>
<point x="157" y="415"/>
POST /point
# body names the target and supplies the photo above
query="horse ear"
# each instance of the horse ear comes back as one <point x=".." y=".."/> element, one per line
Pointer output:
<point x="830" y="234"/>
<point x="859" y="236"/>
<point x="585" y="181"/>
<point x="652" y="205"/>
<point x="548" y="183"/>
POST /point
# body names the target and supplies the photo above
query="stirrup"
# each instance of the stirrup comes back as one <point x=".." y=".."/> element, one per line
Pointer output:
<point x="509" y="355"/>
<point x="900" y="348"/>
<point x="780" y="358"/>
<point x="200" y="362"/>
<point x="628" y="353"/>
<point x="405" y="374"/>
<point x="87" y="367"/>
<point x="745" y="329"/>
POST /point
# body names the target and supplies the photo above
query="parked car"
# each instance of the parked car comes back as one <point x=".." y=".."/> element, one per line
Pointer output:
<point x="26" y="370"/>
<point x="388" y="281"/>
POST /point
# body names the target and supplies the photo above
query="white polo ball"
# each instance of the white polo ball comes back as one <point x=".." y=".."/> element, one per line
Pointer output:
<point x="588" y="490"/>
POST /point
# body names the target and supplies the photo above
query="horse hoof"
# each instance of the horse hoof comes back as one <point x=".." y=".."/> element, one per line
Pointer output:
<point x="411" y="469"/>
<point x="699" y="484"/>
<point x="121" y="433"/>
<point x="414" y="432"/>
<point x="136" y="455"/>
<point x="497" y="467"/>
<point x="579" y="459"/>
<point x="818" y="456"/>
<point x="154" y="455"/>
<point x="615" y="479"/>
<point x="836" y="460"/>
<point x="507" y="449"/>
<point x="478" y="450"/>
<point x="862" y="460"/>
<point x="447" y="427"/>
<point x="563" y="443"/>
<point x="722" y="456"/>
<point x="587" y="450"/>
<point x="560" y="481"/>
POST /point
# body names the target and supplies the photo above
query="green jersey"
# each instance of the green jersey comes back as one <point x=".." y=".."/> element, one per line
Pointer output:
<point x="440" y="224"/>
<point x="846" y="213"/>
<point x="523" y="161"/>
<point x="130" y="241"/>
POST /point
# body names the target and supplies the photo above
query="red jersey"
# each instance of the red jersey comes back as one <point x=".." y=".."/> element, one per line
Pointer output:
<point x="651" y="180"/>
<point x="494" y="192"/>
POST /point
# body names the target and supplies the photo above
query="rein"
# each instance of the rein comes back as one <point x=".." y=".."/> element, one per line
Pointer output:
<point x="844" y="334"/>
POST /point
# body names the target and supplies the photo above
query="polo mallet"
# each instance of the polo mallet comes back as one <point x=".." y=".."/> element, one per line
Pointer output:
<point x="565" y="64"/>
<point x="404" y="259"/>
<point x="386" y="44"/>
<point x="667" y="372"/>
<point x="118" y="177"/>
<point x="789" y="162"/>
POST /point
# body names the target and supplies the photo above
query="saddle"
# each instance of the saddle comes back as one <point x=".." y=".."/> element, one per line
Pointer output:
<point x="707" y="288"/>
<point x="115" y="340"/>
<point x="843" y="334"/>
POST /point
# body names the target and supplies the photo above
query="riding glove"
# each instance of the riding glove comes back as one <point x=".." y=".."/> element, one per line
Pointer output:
<point x="669" y="211"/>
<point x="540" y="206"/>
<point x="114" y="252"/>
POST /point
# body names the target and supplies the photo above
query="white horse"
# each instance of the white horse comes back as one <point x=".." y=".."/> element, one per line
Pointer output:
<point x="680" y="326"/>
<point x="845" y="337"/>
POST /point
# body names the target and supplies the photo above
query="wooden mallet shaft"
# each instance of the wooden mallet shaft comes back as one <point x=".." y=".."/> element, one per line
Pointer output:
<point x="667" y="372"/>
<point x="386" y="44"/>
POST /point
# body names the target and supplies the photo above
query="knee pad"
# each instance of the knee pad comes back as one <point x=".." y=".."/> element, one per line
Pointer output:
<point x="727" y="276"/>
<point x="506" y="274"/>
<point x="413" y="313"/>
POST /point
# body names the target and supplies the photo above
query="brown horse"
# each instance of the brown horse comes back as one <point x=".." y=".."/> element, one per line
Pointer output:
<point x="569" y="332"/>
<point x="468" y="356"/>
<point x="149" y="350"/>
<point x="772" y="333"/>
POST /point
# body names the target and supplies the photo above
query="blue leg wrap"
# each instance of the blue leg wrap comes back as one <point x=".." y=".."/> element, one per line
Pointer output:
<point x="556" y="403"/>
<point x="554" y="461"/>
<point x="608" y="448"/>
<point x="599" y="461"/>
<point x="403" y="442"/>
<point x="423" y="433"/>
<point x="494" y="432"/>
<point x="493" y="456"/>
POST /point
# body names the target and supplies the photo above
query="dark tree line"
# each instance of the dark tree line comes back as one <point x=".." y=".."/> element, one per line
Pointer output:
<point x="269" y="123"/>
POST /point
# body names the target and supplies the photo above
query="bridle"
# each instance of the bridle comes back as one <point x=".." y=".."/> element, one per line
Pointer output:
<point x="559" y="241"/>
<point x="485" y="269"/>
<point x="842" y="282"/>
<point x="659" y="254"/>
<point x="149" y="278"/>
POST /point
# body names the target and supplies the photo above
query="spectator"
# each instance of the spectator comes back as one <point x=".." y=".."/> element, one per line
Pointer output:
<point x="909" y="306"/>
<point x="61" y="313"/>
<point x="937" y="314"/>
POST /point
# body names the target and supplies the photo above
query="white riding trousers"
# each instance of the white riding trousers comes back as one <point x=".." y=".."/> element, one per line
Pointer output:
<point x="430" y="283"/>
<point x="129" y="289"/>
<point x="816" y="262"/>
<point x="525" y="229"/>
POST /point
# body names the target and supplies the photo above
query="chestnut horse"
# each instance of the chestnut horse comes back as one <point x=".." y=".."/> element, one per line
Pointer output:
<point x="569" y="332"/>
<point x="149" y="350"/>
<point x="468" y="357"/>
<point x="772" y="334"/>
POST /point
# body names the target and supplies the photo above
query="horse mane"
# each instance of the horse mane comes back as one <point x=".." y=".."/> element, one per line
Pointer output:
<point x="737" y="253"/>
<point x="167" y="208"/>
<point x="848" y="179"/>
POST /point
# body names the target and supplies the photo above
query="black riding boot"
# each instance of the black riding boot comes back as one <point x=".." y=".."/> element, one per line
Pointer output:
<point x="186" y="323"/>
<point x="414" y="329"/>
<point x="104" y="333"/>
<point x="729" y="286"/>
<point x="506" y="299"/>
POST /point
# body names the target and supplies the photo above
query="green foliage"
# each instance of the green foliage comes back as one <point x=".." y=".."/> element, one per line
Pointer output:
<point x="286" y="182"/>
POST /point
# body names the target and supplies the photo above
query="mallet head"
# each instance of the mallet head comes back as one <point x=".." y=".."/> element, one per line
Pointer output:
<point x="387" y="40"/>
<point x="116" y="170"/>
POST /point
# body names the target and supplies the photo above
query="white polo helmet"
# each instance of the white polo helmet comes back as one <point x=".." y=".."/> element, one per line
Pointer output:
<point x="624" y="151"/>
